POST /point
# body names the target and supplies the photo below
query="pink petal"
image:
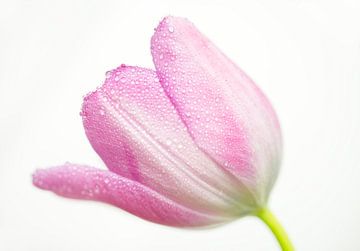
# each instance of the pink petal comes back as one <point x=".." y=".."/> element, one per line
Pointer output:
<point x="83" y="182"/>
<point x="133" y="126"/>
<point x="226" y="114"/>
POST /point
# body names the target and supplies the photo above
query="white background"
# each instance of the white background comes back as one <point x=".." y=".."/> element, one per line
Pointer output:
<point x="304" y="54"/>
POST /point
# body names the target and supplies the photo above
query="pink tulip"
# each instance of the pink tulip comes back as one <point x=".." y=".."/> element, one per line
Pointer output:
<point x="193" y="143"/>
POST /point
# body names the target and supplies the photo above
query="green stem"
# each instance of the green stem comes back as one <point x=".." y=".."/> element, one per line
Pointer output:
<point x="270" y="220"/>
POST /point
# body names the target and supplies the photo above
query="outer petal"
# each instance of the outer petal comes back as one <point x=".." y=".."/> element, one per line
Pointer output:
<point x="226" y="114"/>
<point x="83" y="182"/>
<point x="135" y="129"/>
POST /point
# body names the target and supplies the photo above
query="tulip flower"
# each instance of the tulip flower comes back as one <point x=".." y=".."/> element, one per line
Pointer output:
<point x="193" y="143"/>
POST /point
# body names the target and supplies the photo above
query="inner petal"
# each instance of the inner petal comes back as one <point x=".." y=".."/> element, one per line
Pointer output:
<point x="133" y="126"/>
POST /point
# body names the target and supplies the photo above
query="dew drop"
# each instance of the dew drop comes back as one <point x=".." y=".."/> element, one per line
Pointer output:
<point x="97" y="190"/>
<point x="108" y="74"/>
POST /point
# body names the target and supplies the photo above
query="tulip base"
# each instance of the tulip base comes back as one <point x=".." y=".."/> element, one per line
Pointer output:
<point x="271" y="221"/>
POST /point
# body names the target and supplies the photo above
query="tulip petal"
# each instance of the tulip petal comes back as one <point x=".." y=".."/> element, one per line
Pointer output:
<point x="135" y="129"/>
<point x="83" y="182"/>
<point x="226" y="114"/>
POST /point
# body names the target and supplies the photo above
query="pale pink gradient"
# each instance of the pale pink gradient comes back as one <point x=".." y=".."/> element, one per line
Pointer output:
<point x="193" y="143"/>
<point x="226" y="113"/>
